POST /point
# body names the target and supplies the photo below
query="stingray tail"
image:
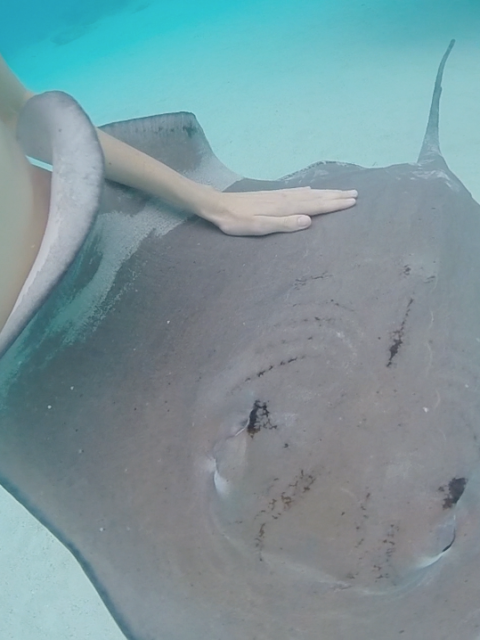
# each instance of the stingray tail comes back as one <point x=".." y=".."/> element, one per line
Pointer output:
<point x="431" y="145"/>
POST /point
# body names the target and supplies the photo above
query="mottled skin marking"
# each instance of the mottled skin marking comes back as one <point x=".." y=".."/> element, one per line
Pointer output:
<point x="398" y="335"/>
<point x="259" y="418"/>
<point x="454" y="491"/>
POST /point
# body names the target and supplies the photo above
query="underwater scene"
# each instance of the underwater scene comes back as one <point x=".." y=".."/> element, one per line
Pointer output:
<point x="276" y="86"/>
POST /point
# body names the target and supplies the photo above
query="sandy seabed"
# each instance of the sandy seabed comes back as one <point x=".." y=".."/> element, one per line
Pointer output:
<point x="276" y="86"/>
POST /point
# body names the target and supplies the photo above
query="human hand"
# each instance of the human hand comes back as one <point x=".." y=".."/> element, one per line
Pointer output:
<point x="259" y="213"/>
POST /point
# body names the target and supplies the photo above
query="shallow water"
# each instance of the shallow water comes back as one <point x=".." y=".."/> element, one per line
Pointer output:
<point x="276" y="86"/>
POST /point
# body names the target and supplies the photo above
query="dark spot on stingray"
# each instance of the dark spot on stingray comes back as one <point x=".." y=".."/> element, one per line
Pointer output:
<point x="395" y="346"/>
<point x="455" y="490"/>
<point x="272" y="366"/>
<point x="263" y="371"/>
<point x="397" y="335"/>
<point x="190" y="130"/>
<point x="407" y="270"/>
<point x="260" y="536"/>
<point x="259" y="418"/>
<point x="389" y="552"/>
<point x="363" y="506"/>
<point x="341" y="306"/>
<point x="299" y="486"/>
<point x="300" y="282"/>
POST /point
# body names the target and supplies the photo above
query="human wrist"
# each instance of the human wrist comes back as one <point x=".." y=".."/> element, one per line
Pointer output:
<point x="208" y="203"/>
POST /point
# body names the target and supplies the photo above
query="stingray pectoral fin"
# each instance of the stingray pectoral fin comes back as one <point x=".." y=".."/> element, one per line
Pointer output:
<point x="54" y="128"/>
<point x="177" y="140"/>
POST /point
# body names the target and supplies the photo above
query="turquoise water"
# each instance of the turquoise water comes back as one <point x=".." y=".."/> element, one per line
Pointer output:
<point x="32" y="22"/>
<point x="276" y="86"/>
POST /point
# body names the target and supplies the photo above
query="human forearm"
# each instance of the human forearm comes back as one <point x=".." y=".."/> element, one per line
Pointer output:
<point x="123" y="163"/>
<point x="133" y="168"/>
<point x="13" y="95"/>
<point x="256" y="213"/>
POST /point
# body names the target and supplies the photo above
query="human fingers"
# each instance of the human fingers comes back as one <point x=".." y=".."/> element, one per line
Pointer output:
<point x="335" y="193"/>
<point x="309" y="193"/>
<point x="306" y="206"/>
<point x="265" y="225"/>
<point x="302" y="201"/>
<point x="315" y="208"/>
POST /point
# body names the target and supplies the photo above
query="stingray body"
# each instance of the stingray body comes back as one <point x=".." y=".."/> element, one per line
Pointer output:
<point x="272" y="439"/>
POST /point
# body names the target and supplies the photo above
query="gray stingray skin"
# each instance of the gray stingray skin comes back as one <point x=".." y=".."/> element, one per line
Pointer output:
<point x="262" y="439"/>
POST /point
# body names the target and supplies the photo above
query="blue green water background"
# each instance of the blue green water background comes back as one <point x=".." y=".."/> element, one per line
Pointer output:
<point x="276" y="85"/>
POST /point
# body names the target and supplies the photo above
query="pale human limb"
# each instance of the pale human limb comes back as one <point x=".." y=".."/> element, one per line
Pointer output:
<point x="256" y="213"/>
<point x="24" y="204"/>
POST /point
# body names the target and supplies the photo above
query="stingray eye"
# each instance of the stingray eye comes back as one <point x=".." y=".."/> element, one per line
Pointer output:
<point x="443" y="539"/>
<point x="446" y="533"/>
<point x="449" y="544"/>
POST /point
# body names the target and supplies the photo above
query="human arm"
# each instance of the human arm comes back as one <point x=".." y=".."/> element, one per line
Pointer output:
<point x="254" y="213"/>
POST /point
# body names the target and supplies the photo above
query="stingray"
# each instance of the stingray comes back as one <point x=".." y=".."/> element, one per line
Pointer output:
<point x="244" y="438"/>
